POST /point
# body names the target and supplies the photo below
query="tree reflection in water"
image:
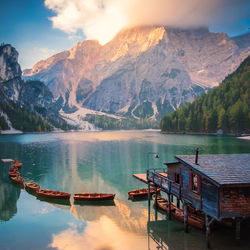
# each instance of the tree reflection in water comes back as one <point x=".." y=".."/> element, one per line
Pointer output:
<point x="9" y="194"/>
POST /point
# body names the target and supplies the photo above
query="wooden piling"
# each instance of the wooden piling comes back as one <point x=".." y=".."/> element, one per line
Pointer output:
<point x="185" y="217"/>
<point x="169" y="206"/>
<point x="149" y="196"/>
<point x="237" y="230"/>
<point x="156" y="197"/>
<point x="171" y="198"/>
<point x="178" y="203"/>
<point x="208" y="232"/>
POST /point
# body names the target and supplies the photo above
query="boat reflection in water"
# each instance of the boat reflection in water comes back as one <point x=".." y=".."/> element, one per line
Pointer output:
<point x="169" y="234"/>
<point x="94" y="203"/>
<point x="96" y="162"/>
<point x="9" y="195"/>
<point x="104" y="227"/>
<point x="54" y="201"/>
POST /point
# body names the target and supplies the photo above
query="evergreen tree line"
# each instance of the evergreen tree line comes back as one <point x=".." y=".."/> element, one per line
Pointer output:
<point x="105" y="122"/>
<point x="225" y="107"/>
<point x="22" y="119"/>
<point x="3" y="123"/>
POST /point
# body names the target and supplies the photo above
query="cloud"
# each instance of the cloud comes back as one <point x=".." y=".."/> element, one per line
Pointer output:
<point x="101" y="234"/>
<point x="102" y="19"/>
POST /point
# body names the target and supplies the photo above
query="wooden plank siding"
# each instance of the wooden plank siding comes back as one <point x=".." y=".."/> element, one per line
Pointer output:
<point x="210" y="202"/>
<point x="235" y="202"/>
<point x="218" y="185"/>
<point x="186" y="194"/>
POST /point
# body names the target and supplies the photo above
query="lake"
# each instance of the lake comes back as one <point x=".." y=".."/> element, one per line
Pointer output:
<point x="78" y="162"/>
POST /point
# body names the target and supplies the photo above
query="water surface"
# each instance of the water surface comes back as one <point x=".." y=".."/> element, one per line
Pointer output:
<point x="98" y="162"/>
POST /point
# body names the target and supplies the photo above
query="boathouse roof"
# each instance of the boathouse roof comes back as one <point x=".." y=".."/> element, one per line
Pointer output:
<point x="230" y="169"/>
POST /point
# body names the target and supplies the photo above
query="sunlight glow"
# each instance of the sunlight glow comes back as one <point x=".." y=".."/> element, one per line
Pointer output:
<point x="102" y="19"/>
<point x="101" y="234"/>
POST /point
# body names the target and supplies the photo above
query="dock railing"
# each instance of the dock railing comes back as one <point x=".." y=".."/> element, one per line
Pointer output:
<point x="155" y="176"/>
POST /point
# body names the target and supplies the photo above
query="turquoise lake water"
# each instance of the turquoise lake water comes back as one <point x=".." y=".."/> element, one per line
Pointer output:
<point x="78" y="162"/>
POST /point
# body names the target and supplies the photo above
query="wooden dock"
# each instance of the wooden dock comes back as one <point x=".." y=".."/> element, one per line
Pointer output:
<point x="143" y="177"/>
<point x="7" y="160"/>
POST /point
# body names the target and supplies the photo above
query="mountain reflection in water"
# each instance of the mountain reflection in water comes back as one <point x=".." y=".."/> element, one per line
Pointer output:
<point x="99" y="162"/>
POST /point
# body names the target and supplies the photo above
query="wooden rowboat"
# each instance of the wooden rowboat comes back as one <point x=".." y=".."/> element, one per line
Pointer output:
<point x="18" y="179"/>
<point x="53" y="194"/>
<point x="94" y="197"/>
<point x="193" y="220"/>
<point x="178" y="213"/>
<point x="17" y="163"/>
<point x="13" y="169"/>
<point x="32" y="186"/>
<point x="163" y="203"/>
<point x="14" y="173"/>
<point x="140" y="193"/>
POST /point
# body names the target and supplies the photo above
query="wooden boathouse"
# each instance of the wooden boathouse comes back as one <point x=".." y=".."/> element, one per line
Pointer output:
<point x="218" y="186"/>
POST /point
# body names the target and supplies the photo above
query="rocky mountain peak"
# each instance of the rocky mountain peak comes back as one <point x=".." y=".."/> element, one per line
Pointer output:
<point x="85" y="48"/>
<point x="133" y="41"/>
<point x="9" y="67"/>
<point x="27" y="106"/>
<point x="45" y="64"/>
<point x="143" y="72"/>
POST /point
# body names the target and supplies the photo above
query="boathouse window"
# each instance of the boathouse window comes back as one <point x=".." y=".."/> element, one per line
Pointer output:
<point x="177" y="178"/>
<point x="195" y="182"/>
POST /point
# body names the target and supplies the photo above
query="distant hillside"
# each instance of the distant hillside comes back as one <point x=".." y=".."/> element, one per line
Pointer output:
<point x="225" y="107"/>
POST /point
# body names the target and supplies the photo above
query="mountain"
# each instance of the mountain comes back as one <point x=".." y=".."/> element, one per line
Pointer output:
<point x="26" y="106"/>
<point x="143" y="72"/>
<point x="225" y="107"/>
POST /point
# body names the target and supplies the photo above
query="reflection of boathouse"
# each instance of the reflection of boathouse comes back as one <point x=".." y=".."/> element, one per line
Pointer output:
<point x="216" y="185"/>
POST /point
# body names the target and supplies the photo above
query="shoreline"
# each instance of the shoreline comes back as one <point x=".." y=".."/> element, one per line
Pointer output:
<point x="16" y="132"/>
<point x="245" y="137"/>
<point x="240" y="136"/>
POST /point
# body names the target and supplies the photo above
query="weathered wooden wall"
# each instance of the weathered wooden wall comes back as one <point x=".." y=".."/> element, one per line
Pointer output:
<point x="210" y="203"/>
<point x="214" y="201"/>
<point x="188" y="195"/>
<point x="235" y="202"/>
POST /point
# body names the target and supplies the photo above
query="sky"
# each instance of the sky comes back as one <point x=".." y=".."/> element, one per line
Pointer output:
<point x="41" y="28"/>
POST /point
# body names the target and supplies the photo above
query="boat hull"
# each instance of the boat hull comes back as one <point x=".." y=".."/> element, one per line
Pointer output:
<point x="14" y="173"/>
<point x="13" y="169"/>
<point x="141" y="193"/>
<point x="53" y="194"/>
<point x="32" y="186"/>
<point x="193" y="220"/>
<point x="163" y="203"/>
<point x="18" y="179"/>
<point x="18" y="164"/>
<point x="94" y="197"/>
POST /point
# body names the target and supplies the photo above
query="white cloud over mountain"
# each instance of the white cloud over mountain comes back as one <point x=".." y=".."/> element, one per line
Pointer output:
<point x="102" y="19"/>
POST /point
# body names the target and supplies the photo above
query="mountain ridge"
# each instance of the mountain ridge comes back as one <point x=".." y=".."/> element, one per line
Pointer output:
<point x="224" y="109"/>
<point x="24" y="106"/>
<point x="162" y="66"/>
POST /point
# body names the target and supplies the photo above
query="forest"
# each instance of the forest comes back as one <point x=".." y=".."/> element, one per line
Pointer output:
<point x="224" y="107"/>
<point x="105" y="122"/>
<point x="22" y="119"/>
